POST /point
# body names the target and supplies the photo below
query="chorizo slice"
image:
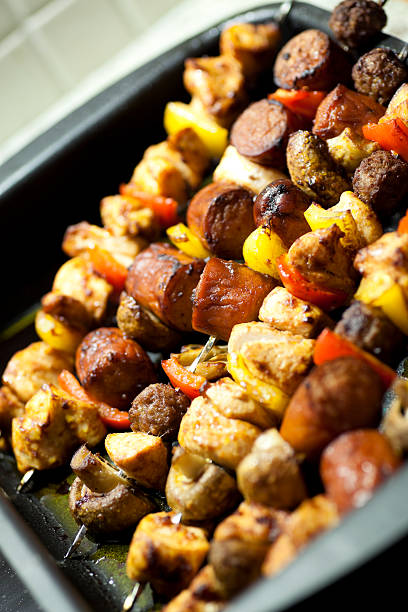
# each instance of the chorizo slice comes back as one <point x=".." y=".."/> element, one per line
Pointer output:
<point x="261" y="132"/>
<point x="343" y="108"/>
<point x="162" y="279"/>
<point x="113" y="368"/>
<point x="281" y="206"/>
<point x="310" y="60"/>
<point x="220" y="214"/>
<point x="228" y="293"/>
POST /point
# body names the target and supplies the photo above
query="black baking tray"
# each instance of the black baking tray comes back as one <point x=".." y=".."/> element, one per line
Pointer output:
<point x="58" y="180"/>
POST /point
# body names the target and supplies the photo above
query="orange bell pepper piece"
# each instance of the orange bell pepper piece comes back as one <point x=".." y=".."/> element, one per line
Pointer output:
<point x="165" y="209"/>
<point x="111" y="417"/>
<point x="180" y="377"/>
<point x="108" y="267"/>
<point x="299" y="101"/>
<point x="391" y="135"/>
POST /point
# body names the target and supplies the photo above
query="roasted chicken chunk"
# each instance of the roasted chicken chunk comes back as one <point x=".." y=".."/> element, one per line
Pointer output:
<point x="10" y="406"/>
<point x="34" y="366"/>
<point x="203" y="595"/>
<point x="76" y="279"/>
<point x="166" y="553"/>
<point x="126" y="216"/>
<point x="52" y="426"/>
<point x="172" y="168"/>
<point x="240" y="544"/>
<point x="313" y="517"/>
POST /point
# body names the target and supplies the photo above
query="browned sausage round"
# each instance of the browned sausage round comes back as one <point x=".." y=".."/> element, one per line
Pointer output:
<point x="343" y="108"/>
<point x="228" y="293"/>
<point x="261" y="132"/>
<point x="221" y="215"/>
<point x="311" y="60"/>
<point x="329" y="402"/>
<point x="113" y="368"/>
<point x="158" y="410"/>
<point x="162" y="279"/>
<point x="354" y="464"/>
<point x="281" y="206"/>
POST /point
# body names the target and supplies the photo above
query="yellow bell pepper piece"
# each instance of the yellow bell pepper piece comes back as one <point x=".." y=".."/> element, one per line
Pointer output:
<point x="56" y="334"/>
<point x="261" y="249"/>
<point x="270" y="396"/>
<point x="184" y="239"/>
<point x="178" y="116"/>
<point x="379" y="289"/>
<point x="319" y="218"/>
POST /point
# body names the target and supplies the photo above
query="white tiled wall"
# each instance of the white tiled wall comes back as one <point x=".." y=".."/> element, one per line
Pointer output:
<point x="48" y="47"/>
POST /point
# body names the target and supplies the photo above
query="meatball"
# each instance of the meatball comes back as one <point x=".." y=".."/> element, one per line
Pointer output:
<point x="329" y="402"/>
<point x="370" y="329"/>
<point x="113" y="368"/>
<point x="378" y="74"/>
<point x="356" y="22"/>
<point x="158" y="410"/>
<point x="375" y="182"/>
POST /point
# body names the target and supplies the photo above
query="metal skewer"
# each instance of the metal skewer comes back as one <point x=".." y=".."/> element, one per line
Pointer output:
<point x="202" y="355"/>
<point x="284" y="11"/>
<point x="81" y="533"/>
<point x="25" y="480"/>
<point x="133" y="595"/>
<point x="403" y="54"/>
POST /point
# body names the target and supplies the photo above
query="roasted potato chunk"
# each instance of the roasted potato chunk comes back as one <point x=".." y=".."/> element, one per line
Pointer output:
<point x="240" y="544"/>
<point x="313" y="516"/>
<point x="127" y="216"/>
<point x="141" y="456"/>
<point x="109" y="512"/>
<point x="218" y="83"/>
<point x="348" y="149"/>
<point x="270" y="473"/>
<point x="52" y="426"/>
<point x="199" y="489"/>
<point x="313" y="170"/>
<point x="206" y="432"/>
<point x="276" y="357"/>
<point x="253" y="45"/>
<point x="165" y="553"/>
<point x="34" y="366"/>
<point x="203" y="595"/>
<point x="354" y="465"/>
<point x="76" y="279"/>
<point x="236" y="168"/>
<point x="324" y="405"/>
<point x="285" y="312"/>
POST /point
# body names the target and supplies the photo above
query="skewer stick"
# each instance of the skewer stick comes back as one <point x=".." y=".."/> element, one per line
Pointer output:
<point x="403" y="54"/>
<point x="25" y="480"/>
<point x="202" y="355"/>
<point x="284" y="11"/>
<point x="133" y="595"/>
<point x="76" y="541"/>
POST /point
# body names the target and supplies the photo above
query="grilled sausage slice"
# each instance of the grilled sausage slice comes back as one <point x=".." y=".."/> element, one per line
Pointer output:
<point x="228" y="293"/>
<point x="343" y="108"/>
<point x="313" y="170"/>
<point x="220" y="214"/>
<point x="281" y="206"/>
<point x="355" y="464"/>
<point x="113" y="368"/>
<point x="310" y="60"/>
<point x="162" y="279"/>
<point x="261" y="132"/>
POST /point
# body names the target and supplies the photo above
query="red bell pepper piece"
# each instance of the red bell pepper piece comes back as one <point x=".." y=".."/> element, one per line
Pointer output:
<point x="330" y="346"/>
<point x="304" y="289"/>
<point x="300" y="101"/>
<point x="188" y="382"/>
<point x="165" y="209"/>
<point x="403" y="224"/>
<point x="108" y="267"/>
<point x="111" y="417"/>
<point x="391" y="135"/>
